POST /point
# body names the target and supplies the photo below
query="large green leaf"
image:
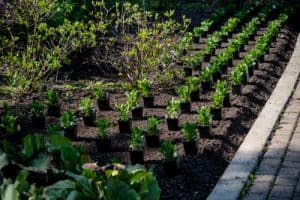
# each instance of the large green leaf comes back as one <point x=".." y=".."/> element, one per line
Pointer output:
<point x="60" y="190"/>
<point x="3" y="160"/>
<point x="70" y="158"/>
<point x="58" y="141"/>
<point x="9" y="192"/>
<point x="41" y="162"/>
<point x="85" y="185"/>
<point x="119" y="190"/>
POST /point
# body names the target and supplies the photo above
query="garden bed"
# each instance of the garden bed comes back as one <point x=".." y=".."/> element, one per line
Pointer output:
<point x="197" y="174"/>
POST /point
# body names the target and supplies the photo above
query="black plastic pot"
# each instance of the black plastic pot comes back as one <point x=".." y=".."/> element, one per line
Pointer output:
<point x="255" y="65"/>
<point x="198" y="67"/>
<point x="104" y="104"/>
<point x="185" y="107"/>
<point x="137" y="113"/>
<point x="206" y="57"/>
<point x="194" y="95"/>
<point x="71" y="132"/>
<point x="190" y="148"/>
<point x="250" y="71"/>
<point x="184" y="52"/>
<point x="173" y="124"/>
<point x="38" y="122"/>
<point x="103" y="145"/>
<point x="125" y="126"/>
<point x="226" y="100"/>
<point x="237" y="54"/>
<point x="152" y="140"/>
<point x="244" y="79"/>
<point x="236" y="89"/>
<point x="136" y="157"/>
<point x="204" y="131"/>
<point x="206" y="86"/>
<point x="196" y="39"/>
<point x="170" y="168"/>
<point x="229" y="63"/>
<point x="224" y="69"/>
<point x="54" y="110"/>
<point x="90" y="120"/>
<point x="216" y="113"/>
<point x="148" y="102"/>
<point x="188" y="71"/>
<point x="216" y="76"/>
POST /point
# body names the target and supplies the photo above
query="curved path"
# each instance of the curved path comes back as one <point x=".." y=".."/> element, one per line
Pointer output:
<point x="267" y="164"/>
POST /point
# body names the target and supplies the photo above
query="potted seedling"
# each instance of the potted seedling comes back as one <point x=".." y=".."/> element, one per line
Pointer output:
<point x="38" y="114"/>
<point x="204" y="122"/>
<point x="205" y="78"/>
<point x="190" y="138"/>
<point x="9" y="125"/>
<point x="145" y="89"/>
<point x="222" y="87"/>
<point x="167" y="149"/>
<point x="184" y="93"/>
<point x="196" y="34"/>
<point x="102" y="96"/>
<point x="89" y="114"/>
<point x="173" y="111"/>
<point x="51" y="97"/>
<point x="136" y="146"/>
<point x="68" y="123"/>
<point x="236" y="81"/>
<point x="204" y="28"/>
<point x="217" y="104"/>
<point x="193" y="83"/>
<point x="103" y="139"/>
<point x="133" y="103"/>
<point x="152" y="132"/>
<point x="53" y="129"/>
<point x="124" y="122"/>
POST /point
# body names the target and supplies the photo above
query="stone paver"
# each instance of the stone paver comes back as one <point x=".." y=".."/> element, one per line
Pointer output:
<point x="277" y="176"/>
<point x="251" y="151"/>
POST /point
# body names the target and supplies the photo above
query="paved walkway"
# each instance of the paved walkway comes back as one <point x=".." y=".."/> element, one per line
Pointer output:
<point x="277" y="175"/>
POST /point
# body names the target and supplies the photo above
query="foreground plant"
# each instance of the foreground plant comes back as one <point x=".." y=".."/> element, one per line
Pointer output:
<point x="204" y="121"/>
<point x="173" y="111"/>
<point x="102" y="96"/>
<point x="190" y="138"/>
<point x="152" y="132"/>
<point x="9" y="124"/>
<point x="184" y="93"/>
<point x="51" y="97"/>
<point x="217" y="103"/>
<point x="133" y="98"/>
<point x="68" y="123"/>
<point x="145" y="89"/>
<point x="193" y="84"/>
<point x="89" y="114"/>
<point x="125" y="123"/>
<point x="104" y="137"/>
<point x="136" y="146"/>
<point x="38" y="114"/>
<point x="167" y="149"/>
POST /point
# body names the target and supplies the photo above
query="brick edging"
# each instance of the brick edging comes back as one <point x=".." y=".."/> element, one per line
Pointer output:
<point x="245" y="160"/>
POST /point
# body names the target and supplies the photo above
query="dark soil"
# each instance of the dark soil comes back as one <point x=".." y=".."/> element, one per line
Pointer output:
<point x="198" y="174"/>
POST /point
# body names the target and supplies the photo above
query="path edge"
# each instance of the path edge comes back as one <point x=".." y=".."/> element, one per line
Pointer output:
<point x="245" y="160"/>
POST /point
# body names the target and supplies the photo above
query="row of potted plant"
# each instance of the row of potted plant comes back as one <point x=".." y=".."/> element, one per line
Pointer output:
<point x="220" y="63"/>
<point x="193" y="61"/>
<point x="245" y="68"/>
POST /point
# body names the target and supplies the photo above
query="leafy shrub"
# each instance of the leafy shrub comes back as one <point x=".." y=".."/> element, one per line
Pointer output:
<point x="204" y="116"/>
<point x="189" y="131"/>
<point x="67" y="119"/>
<point x="123" y="110"/>
<point x="152" y="122"/>
<point x="85" y="105"/>
<point x="136" y="142"/>
<point x="173" y="109"/>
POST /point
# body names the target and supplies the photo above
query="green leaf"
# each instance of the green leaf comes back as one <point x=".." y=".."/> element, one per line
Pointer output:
<point x="3" y="160"/>
<point x="41" y="162"/>
<point x="59" y="190"/>
<point x="9" y="192"/>
<point x="70" y="158"/>
<point x="119" y="190"/>
<point x="59" y="141"/>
